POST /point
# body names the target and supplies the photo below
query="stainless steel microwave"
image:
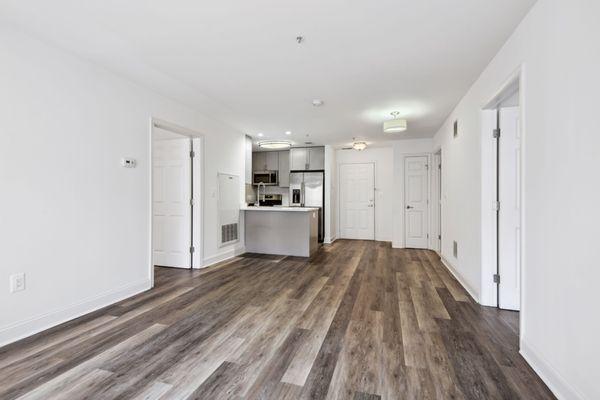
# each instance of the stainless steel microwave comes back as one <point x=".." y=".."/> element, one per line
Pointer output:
<point x="269" y="178"/>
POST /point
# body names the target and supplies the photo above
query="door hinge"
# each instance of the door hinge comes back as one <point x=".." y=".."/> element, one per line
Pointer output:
<point x="192" y="154"/>
<point x="496" y="278"/>
<point x="497" y="206"/>
<point x="428" y="236"/>
<point x="192" y="249"/>
<point x="496" y="133"/>
<point x="192" y="202"/>
<point x="440" y="237"/>
<point x="426" y="166"/>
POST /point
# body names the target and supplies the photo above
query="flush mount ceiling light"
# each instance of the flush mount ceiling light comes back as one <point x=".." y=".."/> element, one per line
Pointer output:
<point x="288" y="132"/>
<point x="259" y="134"/>
<point x="317" y="102"/>
<point x="274" y="144"/>
<point x="394" y="125"/>
<point x="360" y="146"/>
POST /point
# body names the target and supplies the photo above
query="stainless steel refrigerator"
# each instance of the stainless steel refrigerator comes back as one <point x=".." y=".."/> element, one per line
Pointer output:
<point x="307" y="190"/>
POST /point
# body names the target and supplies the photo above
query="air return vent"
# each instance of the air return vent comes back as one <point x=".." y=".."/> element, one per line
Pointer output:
<point x="229" y="233"/>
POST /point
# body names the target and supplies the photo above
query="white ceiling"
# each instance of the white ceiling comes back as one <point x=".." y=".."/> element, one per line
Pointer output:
<point x="238" y="60"/>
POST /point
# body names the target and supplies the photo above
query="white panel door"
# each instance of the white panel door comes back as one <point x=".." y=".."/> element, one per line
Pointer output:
<point x="357" y="205"/>
<point x="416" y="209"/>
<point x="171" y="203"/>
<point x="509" y="216"/>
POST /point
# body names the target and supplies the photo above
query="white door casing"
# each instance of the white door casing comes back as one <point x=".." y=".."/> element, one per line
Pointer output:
<point x="171" y="203"/>
<point x="509" y="214"/>
<point x="416" y="208"/>
<point x="357" y="201"/>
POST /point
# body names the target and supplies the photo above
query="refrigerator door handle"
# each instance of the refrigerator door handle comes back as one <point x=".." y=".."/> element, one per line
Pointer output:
<point x="302" y="193"/>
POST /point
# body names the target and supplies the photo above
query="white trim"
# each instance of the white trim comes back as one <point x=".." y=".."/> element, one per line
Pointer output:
<point x="555" y="381"/>
<point x="459" y="278"/>
<point x="223" y="256"/>
<point x="22" y="329"/>
<point x="330" y="240"/>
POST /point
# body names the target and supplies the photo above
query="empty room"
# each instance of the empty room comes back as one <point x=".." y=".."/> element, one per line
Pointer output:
<point x="327" y="199"/>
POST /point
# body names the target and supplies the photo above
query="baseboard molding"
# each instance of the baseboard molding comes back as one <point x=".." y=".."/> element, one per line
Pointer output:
<point x="222" y="256"/>
<point x="330" y="240"/>
<point x="459" y="278"/>
<point x="22" y="329"/>
<point x="554" y="380"/>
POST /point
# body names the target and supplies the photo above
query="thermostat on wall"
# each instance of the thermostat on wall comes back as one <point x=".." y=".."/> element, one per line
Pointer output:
<point x="128" y="162"/>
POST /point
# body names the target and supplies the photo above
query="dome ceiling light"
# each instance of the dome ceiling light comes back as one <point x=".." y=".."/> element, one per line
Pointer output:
<point x="274" y="144"/>
<point x="395" y="125"/>
<point x="360" y="146"/>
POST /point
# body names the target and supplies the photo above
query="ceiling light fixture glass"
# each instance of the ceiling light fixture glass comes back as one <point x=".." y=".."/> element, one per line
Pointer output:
<point x="274" y="144"/>
<point x="288" y="132"/>
<point x="259" y="134"/>
<point x="395" y="125"/>
<point x="360" y="146"/>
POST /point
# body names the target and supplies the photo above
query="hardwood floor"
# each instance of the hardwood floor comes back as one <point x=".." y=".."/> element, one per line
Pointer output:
<point x="359" y="321"/>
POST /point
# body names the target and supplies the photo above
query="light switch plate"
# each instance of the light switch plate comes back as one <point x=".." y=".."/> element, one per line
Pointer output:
<point x="17" y="282"/>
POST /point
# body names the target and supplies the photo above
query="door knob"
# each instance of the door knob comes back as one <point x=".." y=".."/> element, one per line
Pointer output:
<point x="409" y="207"/>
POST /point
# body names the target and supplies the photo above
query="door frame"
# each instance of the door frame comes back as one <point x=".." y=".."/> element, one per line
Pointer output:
<point x="339" y="197"/>
<point x="489" y="223"/>
<point x="435" y="242"/>
<point x="197" y="182"/>
<point x="429" y="180"/>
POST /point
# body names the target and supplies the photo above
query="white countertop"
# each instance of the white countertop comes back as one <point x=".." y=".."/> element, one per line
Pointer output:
<point x="278" y="208"/>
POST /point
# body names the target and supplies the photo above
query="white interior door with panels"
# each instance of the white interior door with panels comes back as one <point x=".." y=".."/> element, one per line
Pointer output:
<point x="357" y="201"/>
<point x="171" y="203"/>
<point x="509" y="209"/>
<point x="416" y="201"/>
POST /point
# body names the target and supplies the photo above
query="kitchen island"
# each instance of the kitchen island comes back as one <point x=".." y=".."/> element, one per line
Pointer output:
<point x="290" y="231"/>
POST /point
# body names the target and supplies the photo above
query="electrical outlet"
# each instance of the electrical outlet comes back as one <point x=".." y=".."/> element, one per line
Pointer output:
<point x="17" y="282"/>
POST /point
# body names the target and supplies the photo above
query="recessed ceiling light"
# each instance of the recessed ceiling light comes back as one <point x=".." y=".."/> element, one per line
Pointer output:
<point x="259" y="134"/>
<point x="288" y="132"/>
<point x="274" y="144"/>
<point x="317" y="102"/>
<point x="394" y="125"/>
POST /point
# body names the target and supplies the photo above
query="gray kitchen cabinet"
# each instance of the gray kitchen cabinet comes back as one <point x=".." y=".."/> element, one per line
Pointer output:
<point x="307" y="159"/>
<point x="248" y="163"/>
<point x="316" y="158"/>
<point x="259" y="161"/>
<point x="298" y="159"/>
<point x="272" y="160"/>
<point x="284" y="169"/>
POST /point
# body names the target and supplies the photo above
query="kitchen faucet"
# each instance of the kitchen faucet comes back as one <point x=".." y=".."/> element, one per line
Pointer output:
<point x="264" y="192"/>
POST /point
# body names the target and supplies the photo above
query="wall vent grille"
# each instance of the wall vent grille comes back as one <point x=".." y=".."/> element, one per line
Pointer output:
<point x="229" y="233"/>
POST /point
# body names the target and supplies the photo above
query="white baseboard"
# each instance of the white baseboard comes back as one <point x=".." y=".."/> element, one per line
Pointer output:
<point x="22" y="329"/>
<point x="222" y="256"/>
<point x="554" y="380"/>
<point x="459" y="278"/>
<point x="329" y="240"/>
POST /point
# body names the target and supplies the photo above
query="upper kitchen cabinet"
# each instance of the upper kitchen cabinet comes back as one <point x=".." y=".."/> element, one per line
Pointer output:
<point x="259" y="161"/>
<point x="284" y="169"/>
<point x="316" y="158"/>
<point x="248" y="163"/>
<point x="265" y="161"/>
<point x="272" y="161"/>
<point x="307" y="159"/>
<point x="298" y="159"/>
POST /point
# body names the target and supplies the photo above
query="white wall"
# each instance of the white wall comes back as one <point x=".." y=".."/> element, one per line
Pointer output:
<point x="331" y="206"/>
<point x="71" y="218"/>
<point x="383" y="158"/>
<point x="557" y="45"/>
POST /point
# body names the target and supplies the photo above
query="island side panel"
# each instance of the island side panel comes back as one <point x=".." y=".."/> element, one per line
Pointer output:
<point x="313" y="222"/>
<point x="277" y="232"/>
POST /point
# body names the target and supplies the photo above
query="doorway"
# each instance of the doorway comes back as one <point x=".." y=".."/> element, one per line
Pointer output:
<point x="502" y="174"/>
<point x="176" y="197"/>
<point x="416" y="201"/>
<point x="357" y="201"/>
<point x="436" y="208"/>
